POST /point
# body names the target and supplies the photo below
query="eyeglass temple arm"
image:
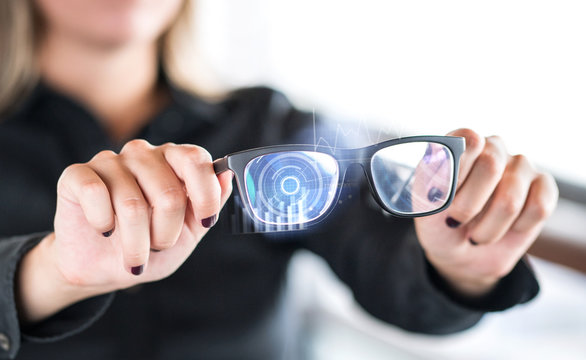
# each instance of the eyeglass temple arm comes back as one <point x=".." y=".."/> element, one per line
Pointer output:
<point x="221" y="165"/>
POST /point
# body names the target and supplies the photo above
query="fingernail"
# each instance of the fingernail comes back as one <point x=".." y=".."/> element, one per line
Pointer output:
<point x="209" y="222"/>
<point x="427" y="155"/>
<point x="453" y="223"/>
<point x="155" y="250"/>
<point x="434" y="194"/>
<point x="108" y="233"/>
<point x="472" y="242"/>
<point x="137" y="270"/>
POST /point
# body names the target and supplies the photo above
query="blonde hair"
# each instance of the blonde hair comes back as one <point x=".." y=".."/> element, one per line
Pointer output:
<point x="18" y="70"/>
<point x="19" y="73"/>
<point x="182" y="60"/>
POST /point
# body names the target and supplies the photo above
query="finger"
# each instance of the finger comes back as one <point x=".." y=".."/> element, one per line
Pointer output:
<point x="432" y="180"/>
<point x="225" y="180"/>
<point x="132" y="213"/>
<point x="474" y="146"/>
<point x="541" y="202"/>
<point x="193" y="164"/>
<point x="161" y="188"/>
<point x="80" y="184"/>
<point x="506" y="202"/>
<point x="480" y="183"/>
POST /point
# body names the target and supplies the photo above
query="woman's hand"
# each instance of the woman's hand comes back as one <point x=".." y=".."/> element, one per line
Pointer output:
<point x="122" y="219"/>
<point x="499" y="209"/>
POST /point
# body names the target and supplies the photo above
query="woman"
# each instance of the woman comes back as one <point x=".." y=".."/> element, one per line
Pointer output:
<point x="131" y="212"/>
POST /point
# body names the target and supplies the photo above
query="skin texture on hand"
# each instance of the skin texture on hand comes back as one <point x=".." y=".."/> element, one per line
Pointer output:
<point x="122" y="219"/>
<point x="500" y="206"/>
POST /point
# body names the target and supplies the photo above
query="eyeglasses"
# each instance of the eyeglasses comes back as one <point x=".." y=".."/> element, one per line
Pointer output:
<point x="298" y="184"/>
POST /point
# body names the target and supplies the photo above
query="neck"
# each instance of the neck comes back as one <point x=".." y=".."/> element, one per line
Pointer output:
<point x="119" y="84"/>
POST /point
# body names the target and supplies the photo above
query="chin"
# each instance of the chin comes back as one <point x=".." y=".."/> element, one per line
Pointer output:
<point x="111" y="22"/>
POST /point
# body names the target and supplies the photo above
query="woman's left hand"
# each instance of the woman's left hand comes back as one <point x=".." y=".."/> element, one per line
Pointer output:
<point x="500" y="206"/>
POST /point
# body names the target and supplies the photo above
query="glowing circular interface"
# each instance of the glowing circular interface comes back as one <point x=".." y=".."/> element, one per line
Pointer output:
<point x="291" y="187"/>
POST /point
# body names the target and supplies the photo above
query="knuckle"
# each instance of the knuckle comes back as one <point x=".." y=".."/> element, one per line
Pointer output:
<point x="474" y="141"/>
<point x="550" y="185"/>
<point x="520" y="162"/>
<point x="543" y="204"/>
<point x="197" y="155"/>
<point x="70" y="170"/>
<point x="172" y="200"/>
<point x="490" y="163"/>
<point x="519" y="159"/>
<point x="509" y="204"/>
<point x="540" y="209"/>
<point x="495" y="144"/>
<point x="496" y="140"/>
<point x="104" y="155"/>
<point x="93" y="188"/>
<point x="135" y="146"/>
<point x="70" y="177"/>
<point x="74" y="167"/>
<point x="133" y="208"/>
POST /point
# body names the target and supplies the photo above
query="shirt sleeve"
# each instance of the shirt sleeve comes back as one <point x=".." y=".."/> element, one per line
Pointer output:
<point x="380" y="258"/>
<point x="63" y="324"/>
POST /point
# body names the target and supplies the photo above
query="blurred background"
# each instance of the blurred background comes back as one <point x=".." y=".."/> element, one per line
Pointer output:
<point x="513" y="68"/>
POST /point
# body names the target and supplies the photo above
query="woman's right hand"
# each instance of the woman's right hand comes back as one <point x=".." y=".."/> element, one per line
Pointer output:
<point x="122" y="219"/>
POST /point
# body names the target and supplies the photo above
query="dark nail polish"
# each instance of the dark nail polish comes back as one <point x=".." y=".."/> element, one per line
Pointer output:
<point x="453" y="223"/>
<point x="472" y="242"/>
<point x="209" y="222"/>
<point x="137" y="270"/>
<point x="434" y="194"/>
<point x="108" y="233"/>
<point x="155" y="250"/>
<point x="427" y="155"/>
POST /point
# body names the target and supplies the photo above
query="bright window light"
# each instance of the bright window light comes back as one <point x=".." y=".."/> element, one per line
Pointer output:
<point x="513" y="68"/>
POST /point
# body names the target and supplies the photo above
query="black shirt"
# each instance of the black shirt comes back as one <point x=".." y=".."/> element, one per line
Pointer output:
<point x="226" y="301"/>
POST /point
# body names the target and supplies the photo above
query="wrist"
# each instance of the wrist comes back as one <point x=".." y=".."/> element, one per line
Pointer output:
<point x="41" y="288"/>
<point x="461" y="281"/>
<point x="472" y="288"/>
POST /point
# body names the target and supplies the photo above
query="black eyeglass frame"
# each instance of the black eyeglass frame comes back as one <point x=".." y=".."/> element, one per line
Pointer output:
<point x="236" y="162"/>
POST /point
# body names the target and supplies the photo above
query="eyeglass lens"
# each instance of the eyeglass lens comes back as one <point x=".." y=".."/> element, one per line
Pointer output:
<point x="291" y="187"/>
<point x="413" y="178"/>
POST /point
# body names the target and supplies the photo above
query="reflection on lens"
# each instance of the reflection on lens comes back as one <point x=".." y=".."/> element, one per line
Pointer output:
<point x="413" y="178"/>
<point x="292" y="187"/>
<point x="434" y="194"/>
